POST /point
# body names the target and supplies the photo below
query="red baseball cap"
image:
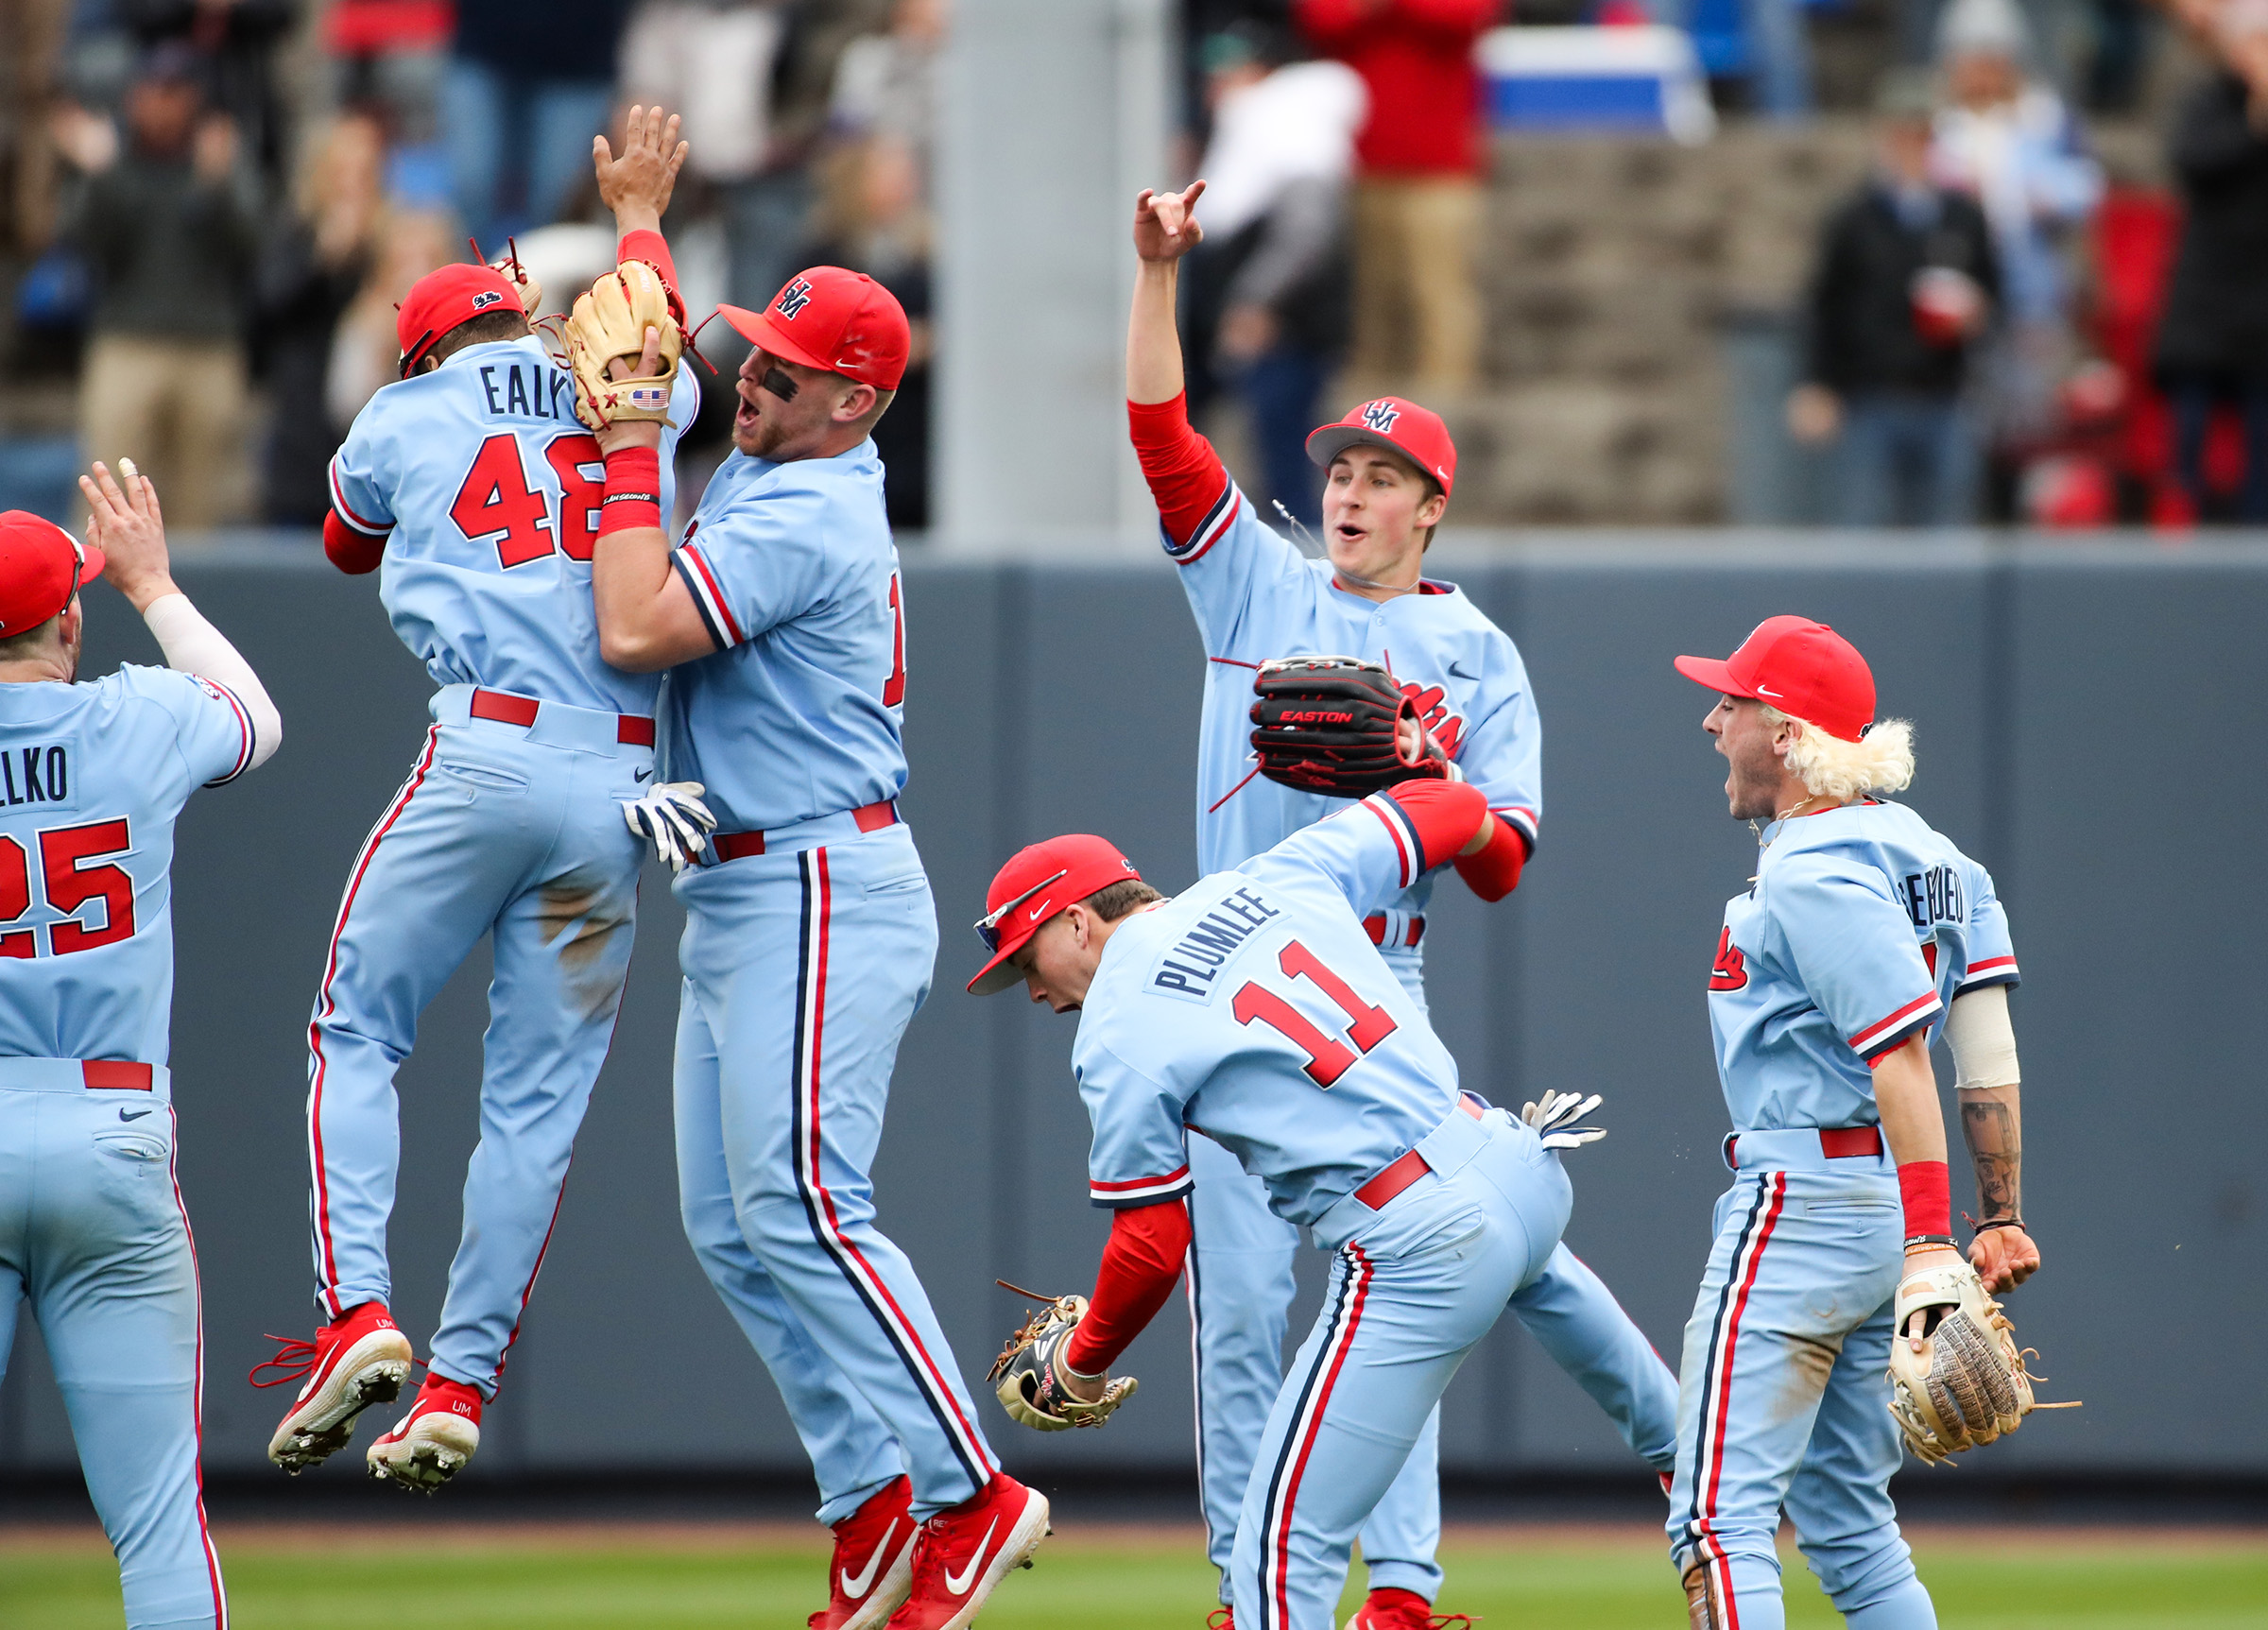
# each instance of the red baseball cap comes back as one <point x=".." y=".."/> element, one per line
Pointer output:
<point x="1803" y="668"/>
<point x="441" y="299"/>
<point x="1416" y="433"/>
<point x="826" y="317"/>
<point x="1036" y="884"/>
<point x="41" y="566"/>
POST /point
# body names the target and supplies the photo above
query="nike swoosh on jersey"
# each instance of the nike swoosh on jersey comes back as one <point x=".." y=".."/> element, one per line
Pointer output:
<point x="1457" y="673"/>
<point x="857" y="1585"/>
<point x="959" y="1585"/>
<point x="134" y="1114"/>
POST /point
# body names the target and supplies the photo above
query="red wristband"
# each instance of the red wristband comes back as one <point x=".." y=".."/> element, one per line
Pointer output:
<point x="1928" y="1193"/>
<point x="633" y="490"/>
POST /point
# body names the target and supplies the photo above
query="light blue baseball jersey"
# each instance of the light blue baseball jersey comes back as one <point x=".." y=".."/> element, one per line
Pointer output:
<point x="801" y="709"/>
<point x="487" y="490"/>
<point x="1254" y="1008"/>
<point x="91" y="777"/>
<point x="1257" y="597"/>
<point x="1861" y="928"/>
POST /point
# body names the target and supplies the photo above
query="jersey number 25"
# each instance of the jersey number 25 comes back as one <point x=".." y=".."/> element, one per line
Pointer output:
<point x="496" y="500"/>
<point x="69" y="883"/>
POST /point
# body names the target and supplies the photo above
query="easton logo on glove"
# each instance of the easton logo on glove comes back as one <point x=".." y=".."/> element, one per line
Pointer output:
<point x="1339" y="726"/>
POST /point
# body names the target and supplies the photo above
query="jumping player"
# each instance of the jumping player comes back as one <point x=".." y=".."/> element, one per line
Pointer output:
<point x="92" y="1227"/>
<point x="1390" y="467"/>
<point x="810" y="938"/>
<point x="471" y="483"/>
<point x="1257" y="1008"/>
<point x="1863" y="933"/>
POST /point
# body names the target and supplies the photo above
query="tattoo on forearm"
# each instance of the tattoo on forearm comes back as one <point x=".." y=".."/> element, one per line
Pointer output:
<point x="1990" y="1132"/>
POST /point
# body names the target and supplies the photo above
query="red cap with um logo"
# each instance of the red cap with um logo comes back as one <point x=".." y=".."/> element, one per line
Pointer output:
<point x="1036" y="884"/>
<point x="41" y="566"/>
<point x="1416" y="433"/>
<point x="441" y="299"/>
<point x="1803" y="668"/>
<point x="838" y="321"/>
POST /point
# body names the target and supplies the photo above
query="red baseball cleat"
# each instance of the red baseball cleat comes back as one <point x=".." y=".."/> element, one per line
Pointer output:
<point x="359" y="1358"/>
<point x="969" y="1548"/>
<point x="1220" y="1618"/>
<point x="1391" y="1609"/>
<point x="433" y="1442"/>
<point x="873" y="1566"/>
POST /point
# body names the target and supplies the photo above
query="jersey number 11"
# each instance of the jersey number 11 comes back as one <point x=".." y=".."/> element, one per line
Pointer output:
<point x="1327" y="1057"/>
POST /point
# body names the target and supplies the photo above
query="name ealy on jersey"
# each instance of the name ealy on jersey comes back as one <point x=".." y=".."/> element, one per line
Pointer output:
<point x="530" y="390"/>
<point x="1190" y="965"/>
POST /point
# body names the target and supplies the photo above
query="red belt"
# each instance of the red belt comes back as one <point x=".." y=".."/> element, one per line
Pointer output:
<point x="506" y="708"/>
<point x="1403" y="1173"/>
<point x="1375" y="926"/>
<point x="1835" y="1143"/>
<point x="740" y="844"/>
<point x="114" y="1076"/>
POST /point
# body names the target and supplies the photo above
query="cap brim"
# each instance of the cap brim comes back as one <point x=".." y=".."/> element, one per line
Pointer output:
<point x="1713" y="672"/>
<point x="999" y="973"/>
<point x="93" y="569"/>
<point x="1332" y="440"/>
<point x="756" y="328"/>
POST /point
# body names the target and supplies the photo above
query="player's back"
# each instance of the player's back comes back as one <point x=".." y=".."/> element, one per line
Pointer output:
<point x="1863" y="925"/>
<point x="488" y="490"/>
<point x="1257" y="999"/>
<point x="92" y="778"/>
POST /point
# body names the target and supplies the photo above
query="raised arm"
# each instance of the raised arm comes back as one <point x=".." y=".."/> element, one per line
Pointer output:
<point x="1165" y="228"/>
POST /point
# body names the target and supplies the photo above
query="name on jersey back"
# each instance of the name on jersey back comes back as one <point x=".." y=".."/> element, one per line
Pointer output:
<point x="525" y="390"/>
<point x="1190" y="965"/>
<point x="35" y="775"/>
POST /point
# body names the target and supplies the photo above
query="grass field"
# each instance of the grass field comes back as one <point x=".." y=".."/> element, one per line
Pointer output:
<point x="750" y="1577"/>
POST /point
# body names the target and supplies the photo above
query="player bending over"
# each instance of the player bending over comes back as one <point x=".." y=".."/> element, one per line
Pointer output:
<point x="92" y="1227"/>
<point x="1425" y="652"/>
<point x="1863" y="933"/>
<point x="810" y="929"/>
<point x="1256" y="1009"/>
<point x="471" y="485"/>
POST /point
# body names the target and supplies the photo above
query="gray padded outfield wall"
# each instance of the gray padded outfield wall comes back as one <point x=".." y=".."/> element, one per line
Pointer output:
<point x="2088" y="724"/>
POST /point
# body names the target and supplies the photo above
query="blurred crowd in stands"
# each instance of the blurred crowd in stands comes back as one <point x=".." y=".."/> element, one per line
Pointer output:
<point x="214" y="204"/>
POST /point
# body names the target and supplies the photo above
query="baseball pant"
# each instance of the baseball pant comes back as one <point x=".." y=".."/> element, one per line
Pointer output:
<point x="93" y="1232"/>
<point x="509" y="830"/>
<point x="1240" y="1293"/>
<point x="1786" y="1397"/>
<point x="802" y="967"/>
<point x="1413" y="1289"/>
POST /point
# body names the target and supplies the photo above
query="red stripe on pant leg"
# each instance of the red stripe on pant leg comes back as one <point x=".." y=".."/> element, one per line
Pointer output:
<point x="1779" y="1181"/>
<point x="1313" y="1429"/>
<point x="1732" y="1608"/>
<point x="971" y="1440"/>
<point x="197" y="1399"/>
<point x="324" y="1008"/>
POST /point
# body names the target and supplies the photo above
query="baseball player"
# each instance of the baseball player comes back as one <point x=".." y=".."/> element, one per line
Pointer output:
<point x="473" y="488"/>
<point x="92" y="1227"/>
<point x="1257" y="1009"/>
<point x="1861" y="935"/>
<point x="1390" y="467"/>
<point x="810" y="936"/>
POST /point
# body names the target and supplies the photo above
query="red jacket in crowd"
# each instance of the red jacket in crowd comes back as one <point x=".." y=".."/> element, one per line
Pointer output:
<point x="1425" y="89"/>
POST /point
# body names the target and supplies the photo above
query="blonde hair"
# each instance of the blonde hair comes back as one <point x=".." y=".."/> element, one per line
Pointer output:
<point x="1830" y="767"/>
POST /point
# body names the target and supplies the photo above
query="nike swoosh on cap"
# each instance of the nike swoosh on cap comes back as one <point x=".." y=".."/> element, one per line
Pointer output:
<point x="959" y="1586"/>
<point x="857" y="1585"/>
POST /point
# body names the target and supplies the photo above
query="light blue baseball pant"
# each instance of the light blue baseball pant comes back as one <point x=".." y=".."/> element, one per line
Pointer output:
<point x="1787" y="1394"/>
<point x="1241" y="1289"/>
<point x="514" y="832"/>
<point x="1413" y="1289"/>
<point x="803" y="966"/>
<point x="92" y="1231"/>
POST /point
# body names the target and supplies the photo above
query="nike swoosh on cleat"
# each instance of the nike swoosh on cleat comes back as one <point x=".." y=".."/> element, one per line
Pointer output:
<point x="134" y="1114"/>
<point x="959" y="1587"/>
<point x="857" y="1585"/>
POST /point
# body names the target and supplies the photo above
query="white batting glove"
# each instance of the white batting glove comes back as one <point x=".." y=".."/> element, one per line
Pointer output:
<point x="672" y="816"/>
<point x="1554" y="1119"/>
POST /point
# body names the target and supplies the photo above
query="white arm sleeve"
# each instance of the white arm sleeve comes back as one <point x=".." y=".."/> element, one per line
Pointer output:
<point x="192" y="645"/>
<point x="1983" y="1040"/>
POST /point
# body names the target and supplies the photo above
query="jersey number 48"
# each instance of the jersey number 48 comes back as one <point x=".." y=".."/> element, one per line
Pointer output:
<point x="68" y="882"/>
<point x="496" y="500"/>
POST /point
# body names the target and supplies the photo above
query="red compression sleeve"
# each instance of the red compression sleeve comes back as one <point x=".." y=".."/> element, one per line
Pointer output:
<point x="1147" y="1246"/>
<point x="1186" y="475"/>
<point x="351" y="552"/>
<point x="1446" y="815"/>
<point x="1928" y="1193"/>
<point x="1494" y="872"/>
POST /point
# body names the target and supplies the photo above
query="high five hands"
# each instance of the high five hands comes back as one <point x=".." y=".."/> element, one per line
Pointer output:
<point x="639" y="184"/>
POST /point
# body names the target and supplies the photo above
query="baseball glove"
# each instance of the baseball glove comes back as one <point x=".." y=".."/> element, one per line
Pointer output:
<point x="1029" y="1373"/>
<point x="1332" y="725"/>
<point x="610" y="321"/>
<point x="1555" y="1119"/>
<point x="1964" y="1383"/>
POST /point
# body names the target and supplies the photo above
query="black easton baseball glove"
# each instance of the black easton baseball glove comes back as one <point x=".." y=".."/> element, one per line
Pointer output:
<point x="1334" y="725"/>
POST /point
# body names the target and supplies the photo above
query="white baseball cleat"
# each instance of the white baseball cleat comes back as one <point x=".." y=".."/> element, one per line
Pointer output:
<point x="434" y="1440"/>
<point x="359" y="1358"/>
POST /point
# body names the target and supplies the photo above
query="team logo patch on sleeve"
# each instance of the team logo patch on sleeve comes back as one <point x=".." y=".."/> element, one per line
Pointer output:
<point x="1731" y="970"/>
